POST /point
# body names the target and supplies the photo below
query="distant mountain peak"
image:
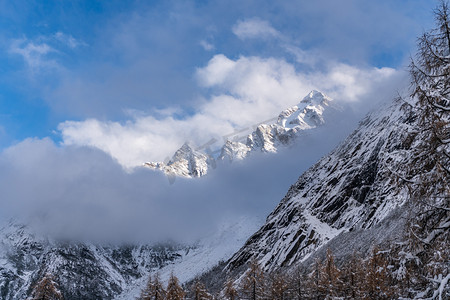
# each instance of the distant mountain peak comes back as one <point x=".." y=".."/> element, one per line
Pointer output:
<point x="186" y="162"/>
<point x="316" y="97"/>
<point x="308" y="114"/>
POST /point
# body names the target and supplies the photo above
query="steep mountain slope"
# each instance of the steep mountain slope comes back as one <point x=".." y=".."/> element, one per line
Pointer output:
<point x="354" y="188"/>
<point x="206" y="254"/>
<point x="82" y="270"/>
<point x="308" y="114"/>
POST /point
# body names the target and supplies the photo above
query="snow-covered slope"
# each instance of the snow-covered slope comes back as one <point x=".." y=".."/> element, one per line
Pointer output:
<point x="308" y="114"/>
<point x="206" y="254"/>
<point x="82" y="270"/>
<point x="85" y="270"/>
<point x="352" y="188"/>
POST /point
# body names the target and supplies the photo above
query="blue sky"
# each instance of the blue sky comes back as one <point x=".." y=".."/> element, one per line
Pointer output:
<point x="124" y="61"/>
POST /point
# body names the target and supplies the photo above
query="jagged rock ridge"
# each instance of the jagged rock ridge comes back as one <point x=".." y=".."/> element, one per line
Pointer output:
<point x="186" y="162"/>
<point x="308" y="114"/>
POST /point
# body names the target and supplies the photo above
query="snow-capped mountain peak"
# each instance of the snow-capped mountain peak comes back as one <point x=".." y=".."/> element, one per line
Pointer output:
<point x="187" y="162"/>
<point x="316" y="98"/>
<point x="309" y="113"/>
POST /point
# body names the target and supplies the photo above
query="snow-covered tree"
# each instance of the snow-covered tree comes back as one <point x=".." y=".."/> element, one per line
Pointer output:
<point x="298" y="284"/>
<point x="199" y="291"/>
<point x="154" y="290"/>
<point x="314" y="290"/>
<point x="46" y="289"/>
<point x="329" y="282"/>
<point x="430" y="73"/>
<point x="174" y="289"/>
<point x="430" y="172"/>
<point x="230" y="290"/>
<point x="278" y="288"/>
<point x="253" y="283"/>
<point x="352" y="276"/>
<point x="377" y="277"/>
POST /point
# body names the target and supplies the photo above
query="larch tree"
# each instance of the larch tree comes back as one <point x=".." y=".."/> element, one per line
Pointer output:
<point x="158" y="292"/>
<point x="298" y="284"/>
<point x="329" y="282"/>
<point x="377" y="279"/>
<point x="314" y="290"/>
<point x="430" y="187"/>
<point x="253" y="283"/>
<point x="199" y="291"/>
<point x="174" y="289"/>
<point x="352" y="275"/>
<point x="146" y="291"/>
<point x="46" y="289"/>
<point x="278" y="286"/>
<point x="430" y="73"/>
<point x="230" y="290"/>
<point x="154" y="290"/>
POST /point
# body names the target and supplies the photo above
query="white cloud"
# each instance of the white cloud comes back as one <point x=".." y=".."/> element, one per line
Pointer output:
<point x="207" y="45"/>
<point x="245" y="91"/>
<point x="352" y="84"/>
<point x="34" y="53"/>
<point x="254" y="28"/>
<point x="68" y="40"/>
<point x="40" y="53"/>
<point x="143" y="138"/>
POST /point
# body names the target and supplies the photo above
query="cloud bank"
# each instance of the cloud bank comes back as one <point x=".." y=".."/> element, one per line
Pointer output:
<point x="80" y="193"/>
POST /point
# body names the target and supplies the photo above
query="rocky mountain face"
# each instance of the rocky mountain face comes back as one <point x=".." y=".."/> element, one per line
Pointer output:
<point x="353" y="189"/>
<point x="83" y="270"/>
<point x="186" y="162"/>
<point x="308" y="114"/>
